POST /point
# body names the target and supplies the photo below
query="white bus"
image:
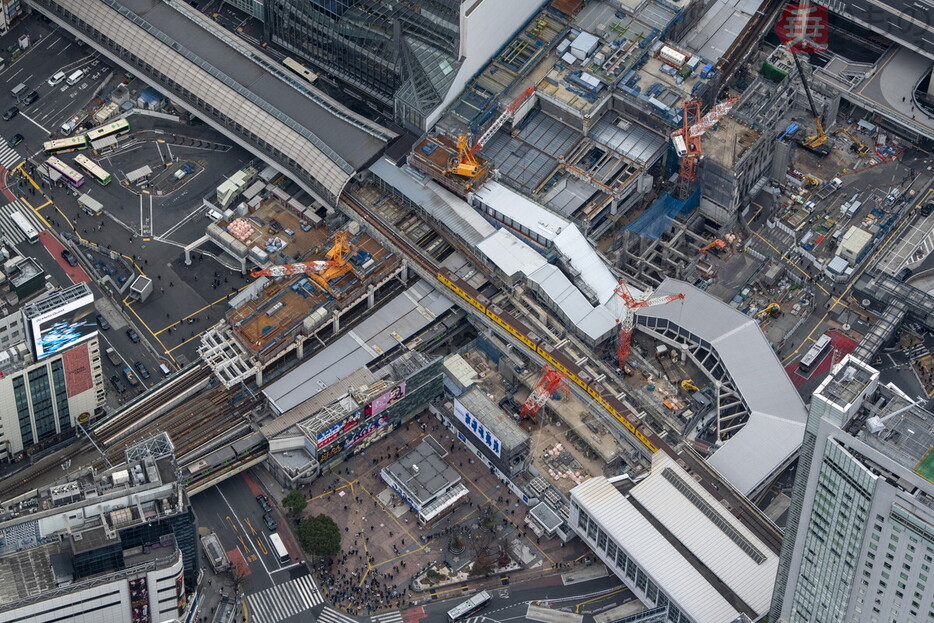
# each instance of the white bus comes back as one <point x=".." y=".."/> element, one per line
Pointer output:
<point x="281" y="552"/>
<point x="814" y="355"/>
<point x="31" y="233"/>
<point x="470" y="606"/>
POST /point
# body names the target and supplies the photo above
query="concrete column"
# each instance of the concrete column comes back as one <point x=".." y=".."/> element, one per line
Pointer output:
<point x="243" y="264"/>
<point x="259" y="374"/>
<point x="404" y="274"/>
<point x="684" y="354"/>
<point x="370" y="296"/>
<point x="337" y="322"/>
<point x="187" y="256"/>
<point x="300" y="347"/>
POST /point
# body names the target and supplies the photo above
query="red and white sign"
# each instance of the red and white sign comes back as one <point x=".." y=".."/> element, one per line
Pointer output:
<point x="803" y="28"/>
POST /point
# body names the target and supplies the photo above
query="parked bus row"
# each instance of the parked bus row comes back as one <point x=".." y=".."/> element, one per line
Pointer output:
<point x="82" y="141"/>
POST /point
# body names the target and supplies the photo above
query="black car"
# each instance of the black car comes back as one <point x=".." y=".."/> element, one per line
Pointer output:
<point x="264" y="503"/>
<point x="133" y="335"/>
<point x="118" y="383"/>
<point x="31" y="98"/>
<point x="69" y="257"/>
<point x="11" y="112"/>
<point x="142" y="369"/>
<point x="16" y="140"/>
<point x="270" y="522"/>
<point x="927" y="209"/>
<point x="104" y="325"/>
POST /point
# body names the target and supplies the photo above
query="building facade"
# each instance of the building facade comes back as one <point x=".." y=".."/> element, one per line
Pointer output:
<point x="51" y="370"/>
<point x="411" y="57"/>
<point x="116" y="546"/>
<point x="352" y="421"/>
<point x="859" y="543"/>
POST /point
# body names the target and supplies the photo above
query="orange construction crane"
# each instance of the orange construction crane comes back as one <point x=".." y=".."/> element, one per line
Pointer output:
<point x="718" y="243"/>
<point x="298" y="268"/>
<point x="628" y="320"/>
<point x="466" y="163"/>
<point x="319" y="271"/>
<point x="552" y="381"/>
<point x="687" y="138"/>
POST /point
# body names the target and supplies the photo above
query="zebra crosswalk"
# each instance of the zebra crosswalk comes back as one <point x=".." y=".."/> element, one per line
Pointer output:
<point x="333" y="616"/>
<point x="9" y="157"/>
<point x="284" y="600"/>
<point x="9" y="229"/>
<point x="387" y="617"/>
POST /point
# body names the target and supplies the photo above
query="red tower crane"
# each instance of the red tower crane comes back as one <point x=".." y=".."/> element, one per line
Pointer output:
<point x="552" y="381"/>
<point x="628" y="320"/>
<point x="687" y="139"/>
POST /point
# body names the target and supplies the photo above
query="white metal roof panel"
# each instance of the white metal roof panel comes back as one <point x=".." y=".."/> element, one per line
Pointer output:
<point x="777" y="414"/>
<point x="510" y="254"/>
<point x="652" y="551"/>
<point x="442" y="205"/>
<point x="404" y="315"/>
<point x="751" y="581"/>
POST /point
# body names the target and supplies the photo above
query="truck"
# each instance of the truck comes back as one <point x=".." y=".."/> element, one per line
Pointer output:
<point x="829" y="188"/>
<point x="112" y="356"/>
<point x="130" y="377"/>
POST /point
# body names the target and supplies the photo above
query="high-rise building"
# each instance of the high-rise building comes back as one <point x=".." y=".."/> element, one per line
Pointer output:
<point x="407" y="55"/>
<point x="117" y="545"/>
<point x="859" y="543"/>
<point x="50" y="369"/>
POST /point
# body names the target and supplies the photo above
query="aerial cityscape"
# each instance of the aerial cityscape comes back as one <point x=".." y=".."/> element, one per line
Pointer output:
<point x="478" y="311"/>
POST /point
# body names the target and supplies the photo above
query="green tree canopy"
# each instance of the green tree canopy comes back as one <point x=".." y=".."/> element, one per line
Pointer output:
<point x="319" y="536"/>
<point x="295" y="502"/>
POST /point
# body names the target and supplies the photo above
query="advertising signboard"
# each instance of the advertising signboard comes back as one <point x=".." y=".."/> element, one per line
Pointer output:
<point x="379" y="404"/>
<point x="63" y="327"/>
<point x="365" y="432"/>
<point x="488" y="439"/>
<point x="338" y="428"/>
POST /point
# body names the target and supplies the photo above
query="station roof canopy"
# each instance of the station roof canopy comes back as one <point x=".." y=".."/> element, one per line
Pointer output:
<point x="195" y="61"/>
<point x="775" y="428"/>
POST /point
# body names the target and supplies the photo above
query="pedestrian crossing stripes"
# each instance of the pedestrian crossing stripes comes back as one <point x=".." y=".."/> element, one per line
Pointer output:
<point x="284" y="600"/>
<point x="387" y="617"/>
<point x="9" y="228"/>
<point x="333" y="616"/>
<point x="9" y="157"/>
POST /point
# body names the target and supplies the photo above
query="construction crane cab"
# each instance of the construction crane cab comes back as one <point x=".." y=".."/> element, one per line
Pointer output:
<point x="465" y="163"/>
<point x="320" y="271"/>
<point x="689" y="386"/>
<point x="817" y="142"/>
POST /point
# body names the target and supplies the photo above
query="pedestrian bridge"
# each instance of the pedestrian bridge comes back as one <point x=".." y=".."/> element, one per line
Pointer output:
<point x="235" y="88"/>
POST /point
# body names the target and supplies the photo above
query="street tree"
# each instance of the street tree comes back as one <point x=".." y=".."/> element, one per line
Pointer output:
<point x="295" y="502"/>
<point x="319" y="536"/>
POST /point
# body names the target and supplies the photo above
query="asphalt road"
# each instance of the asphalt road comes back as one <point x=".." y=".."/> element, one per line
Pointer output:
<point x="232" y="512"/>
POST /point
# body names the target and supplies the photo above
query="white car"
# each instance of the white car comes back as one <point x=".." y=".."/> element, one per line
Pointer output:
<point x="55" y="80"/>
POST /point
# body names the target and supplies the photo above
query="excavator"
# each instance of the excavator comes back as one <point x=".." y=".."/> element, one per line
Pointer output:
<point x="689" y="386"/>
<point x="772" y="309"/>
<point x="715" y="244"/>
<point x="855" y="144"/>
<point x="321" y="272"/>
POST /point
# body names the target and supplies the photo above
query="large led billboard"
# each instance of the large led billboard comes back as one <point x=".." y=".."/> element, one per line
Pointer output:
<point x="380" y="403"/>
<point x="60" y="328"/>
